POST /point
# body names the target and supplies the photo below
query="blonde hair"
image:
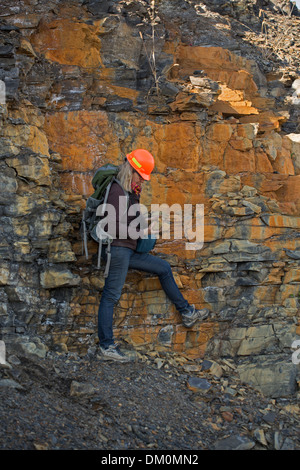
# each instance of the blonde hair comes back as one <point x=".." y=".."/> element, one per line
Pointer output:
<point x="125" y="175"/>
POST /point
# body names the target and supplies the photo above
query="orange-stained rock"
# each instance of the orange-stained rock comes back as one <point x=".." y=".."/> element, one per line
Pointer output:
<point x="285" y="292"/>
<point x="233" y="72"/>
<point x="267" y="184"/>
<point x="289" y="208"/>
<point x="212" y="232"/>
<point x="219" y="64"/>
<point x="177" y="146"/>
<point x="124" y="92"/>
<point x="236" y="161"/>
<point x="37" y="141"/>
<point x="33" y="168"/>
<point x="290" y="190"/>
<point x="180" y="334"/>
<point x="266" y="120"/>
<point x="232" y="96"/>
<point x="84" y="139"/>
<point x="291" y="143"/>
<point x="241" y="143"/>
<point x="279" y="245"/>
<point x="279" y="220"/>
<point x="233" y="108"/>
<point x="28" y="136"/>
<point x="284" y="164"/>
<point x="68" y="42"/>
<point x="266" y="295"/>
<point x="176" y="248"/>
<point x="28" y="113"/>
<point x="211" y="152"/>
<point x="293" y="275"/>
<point x="262" y="163"/>
<point x="77" y="182"/>
<point x="178" y="187"/>
<point x="277" y="151"/>
<point x="197" y="341"/>
<point x="248" y="131"/>
<point x="282" y="188"/>
<point x="219" y="131"/>
<point x="253" y="229"/>
<point x="188" y="102"/>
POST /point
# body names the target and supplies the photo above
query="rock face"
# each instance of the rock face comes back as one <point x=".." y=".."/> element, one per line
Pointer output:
<point x="218" y="108"/>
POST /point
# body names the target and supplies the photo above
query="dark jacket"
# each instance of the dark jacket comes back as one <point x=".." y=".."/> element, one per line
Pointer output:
<point x="124" y="221"/>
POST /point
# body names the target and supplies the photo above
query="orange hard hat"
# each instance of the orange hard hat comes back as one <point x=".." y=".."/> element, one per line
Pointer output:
<point x="142" y="161"/>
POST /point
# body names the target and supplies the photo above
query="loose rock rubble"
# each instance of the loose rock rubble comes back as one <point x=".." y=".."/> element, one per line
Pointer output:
<point x="155" y="402"/>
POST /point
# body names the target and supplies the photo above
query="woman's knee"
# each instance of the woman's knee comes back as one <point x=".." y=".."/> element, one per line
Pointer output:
<point x="164" y="269"/>
<point x="111" y="295"/>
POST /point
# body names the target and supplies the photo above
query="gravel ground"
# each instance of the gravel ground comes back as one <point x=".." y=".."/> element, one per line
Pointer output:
<point x="156" y="402"/>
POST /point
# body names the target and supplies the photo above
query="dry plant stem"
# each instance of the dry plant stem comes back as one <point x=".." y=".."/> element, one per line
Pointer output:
<point x="153" y="45"/>
<point x="151" y="58"/>
<point x="282" y="34"/>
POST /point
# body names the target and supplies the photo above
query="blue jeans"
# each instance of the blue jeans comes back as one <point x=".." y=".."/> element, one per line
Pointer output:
<point x="121" y="260"/>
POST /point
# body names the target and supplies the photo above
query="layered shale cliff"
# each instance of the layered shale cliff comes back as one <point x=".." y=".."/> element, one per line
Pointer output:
<point x="212" y="90"/>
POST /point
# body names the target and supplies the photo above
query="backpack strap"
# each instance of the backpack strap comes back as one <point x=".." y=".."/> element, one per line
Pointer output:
<point x="106" y="196"/>
<point x="108" y="253"/>
<point x="99" y="254"/>
<point x="100" y="240"/>
<point x="102" y="212"/>
<point x="84" y="237"/>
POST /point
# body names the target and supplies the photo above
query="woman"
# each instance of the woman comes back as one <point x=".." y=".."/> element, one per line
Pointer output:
<point x="135" y="170"/>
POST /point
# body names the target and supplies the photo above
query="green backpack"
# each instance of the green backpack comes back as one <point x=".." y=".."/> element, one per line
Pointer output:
<point x="102" y="181"/>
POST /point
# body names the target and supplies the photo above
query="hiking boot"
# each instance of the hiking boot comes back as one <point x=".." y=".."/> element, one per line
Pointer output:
<point x="191" y="315"/>
<point x="113" y="353"/>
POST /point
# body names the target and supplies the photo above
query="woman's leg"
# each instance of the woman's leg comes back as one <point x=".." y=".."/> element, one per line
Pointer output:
<point x="111" y="293"/>
<point x="155" y="265"/>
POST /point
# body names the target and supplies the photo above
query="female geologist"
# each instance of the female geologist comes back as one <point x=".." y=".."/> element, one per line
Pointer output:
<point x="136" y="169"/>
